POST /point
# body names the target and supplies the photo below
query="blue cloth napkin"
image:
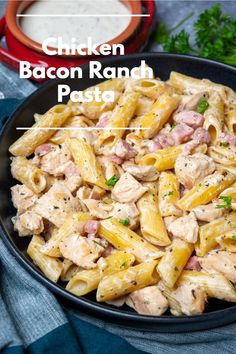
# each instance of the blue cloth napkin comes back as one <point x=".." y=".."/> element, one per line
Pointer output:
<point x="32" y="320"/>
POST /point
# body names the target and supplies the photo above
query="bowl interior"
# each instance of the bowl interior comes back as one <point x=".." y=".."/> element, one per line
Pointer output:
<point x="17" y="7"/>
<point x="217" y="312"/>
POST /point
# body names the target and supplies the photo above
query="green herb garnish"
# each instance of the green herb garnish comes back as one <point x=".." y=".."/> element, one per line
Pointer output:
<point x="202" y="107"/>
<point x="227" y="203"/>
<point x="124" y="264"/>
<point x="224" y="143"/>
<point x="125" y="221"/>
<point x="215" y="34"/>
<point x="170" y="193"/>
<point x="112" y="181"/>
<point x="234" y="237"/>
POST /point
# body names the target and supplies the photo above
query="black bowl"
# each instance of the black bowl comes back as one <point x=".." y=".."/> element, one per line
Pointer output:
<point x="218" y="312"/>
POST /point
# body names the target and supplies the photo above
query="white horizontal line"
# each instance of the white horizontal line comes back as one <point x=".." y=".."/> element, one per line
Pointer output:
<point x="79" y="128"/>
<point x="83" y="15"/>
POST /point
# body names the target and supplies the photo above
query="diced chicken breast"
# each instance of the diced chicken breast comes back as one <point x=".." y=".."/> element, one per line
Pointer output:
<point x="73" y="178"/>
<point x="181" y="133"/>
<point x="28" y="224"/>
<point x="193" y="264"/>
<point x="128" y="211"/>
<point x="208" y="212"/>
<point x="97" y="193"/>
<point x="52" y="161"/>
<point x="98" y="208"/>
<point x="191" y="118"/>
<point x="188" y="299"/>
<point x="193" y="168"/>
<point x="128" y="189"/>
<point x="108" y="166"/>
<point x="220" y="261"/>
<point x="193" y="102"/>
<point x="23" y="198"/>
<point x="185" y="227"/>
<point x="56" y="204"/>
<point x="148" y="301"/>
<point x="81" y="251"/>
<point x="142" y="173"/>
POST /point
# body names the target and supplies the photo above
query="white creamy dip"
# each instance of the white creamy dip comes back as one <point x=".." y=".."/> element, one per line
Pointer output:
<point x="100" y="29"/>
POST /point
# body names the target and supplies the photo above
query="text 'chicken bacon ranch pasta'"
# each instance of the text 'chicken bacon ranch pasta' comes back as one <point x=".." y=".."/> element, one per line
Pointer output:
<point x="134" y="199"/>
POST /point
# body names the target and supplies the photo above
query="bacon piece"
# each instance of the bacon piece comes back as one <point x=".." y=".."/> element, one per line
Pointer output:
<point x="118" y="160"/>
<point x="191" y="118"/>
<point x="103" y="121"/>
<point x="43" y="149"/>
<point x="193" y="264"/>
<point x="164" y="139"/>
<point x="201" y="136"/>
<point x="124" y="150"/>
<point x="91" y="227"/>
<point x="181" y="133"/>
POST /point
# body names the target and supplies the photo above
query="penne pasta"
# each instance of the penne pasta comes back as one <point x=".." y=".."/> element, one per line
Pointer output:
<point x="216" y="285"/>
<point x="205" y="191"/>
<point x="209" y="232"/>
<point x="86" y="281"/>
<point x="152" y="226"/>
<point x="120" y="118"/>
<point x="51" y="267"/>
<point x="158" y="115"/>
<point x="174" y="260"/>
<point x="168" y="194"/>
<point x="151" y="88"/>
<point x="227" y="241"/>
<point x="27" y="173"/>
<point x="127" y="240"/>
<point x="214" y="116"/>
<point x="127" y="281"/>
<point x="223" y="155"/>
<point x="74" y="223"/>
<point x="37" y="135"/>
<point x="85" y="159"/>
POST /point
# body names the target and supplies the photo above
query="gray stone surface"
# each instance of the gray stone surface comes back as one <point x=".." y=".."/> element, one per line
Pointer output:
<point x="171" y="12"/>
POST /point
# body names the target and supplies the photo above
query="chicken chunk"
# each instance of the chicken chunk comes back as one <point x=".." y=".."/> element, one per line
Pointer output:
<point x="193" y="168"/>
<point x="188" y="299"/>
<point x="148" y="301"/>
<point x="191" y="118"/>
<point x="128" y="189"/>
<point x="185" y="227"/>
<point x="128" y="211"/>
<point x="220" y="261"/>
<point x="124" y="150"/>
<point x="28" y="224"/>
<point x="81" y="251"/>
<point x="98" y="208"/>
<point x="56" y="204"/>
<point x="142" y="173"/>
<point x="208" y="212"/>
<point x="73" y="179"/>
<point x="53" y="161"/>
<point x="23" y="198"/>
<point x="108" y="167"/>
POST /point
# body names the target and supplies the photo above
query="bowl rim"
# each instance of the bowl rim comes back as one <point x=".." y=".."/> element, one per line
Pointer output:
<point x="14" y="27"/>
<point x="112" y="314"/>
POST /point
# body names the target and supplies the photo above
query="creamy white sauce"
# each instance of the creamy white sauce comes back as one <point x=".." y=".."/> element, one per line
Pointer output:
<point x="100" y="29"/>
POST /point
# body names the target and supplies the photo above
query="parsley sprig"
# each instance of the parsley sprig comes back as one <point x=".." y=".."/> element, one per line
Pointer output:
<point x="215" y="37"/>
<point x="227" y="202"/>
<point x="112" y="181"/>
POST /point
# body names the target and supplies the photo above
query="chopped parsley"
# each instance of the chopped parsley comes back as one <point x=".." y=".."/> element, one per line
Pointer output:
<point x="202" y="107"/>
<point x="170" y="193"/>
<point x="125" y="221"/>
<point x="227" y="202"/>
<point x="224" y="143"/>
<point x="234" y="237"/>
<point x="124" y="264"/>
<point x="112" y="181"/>
<point x="109" y="217"/>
